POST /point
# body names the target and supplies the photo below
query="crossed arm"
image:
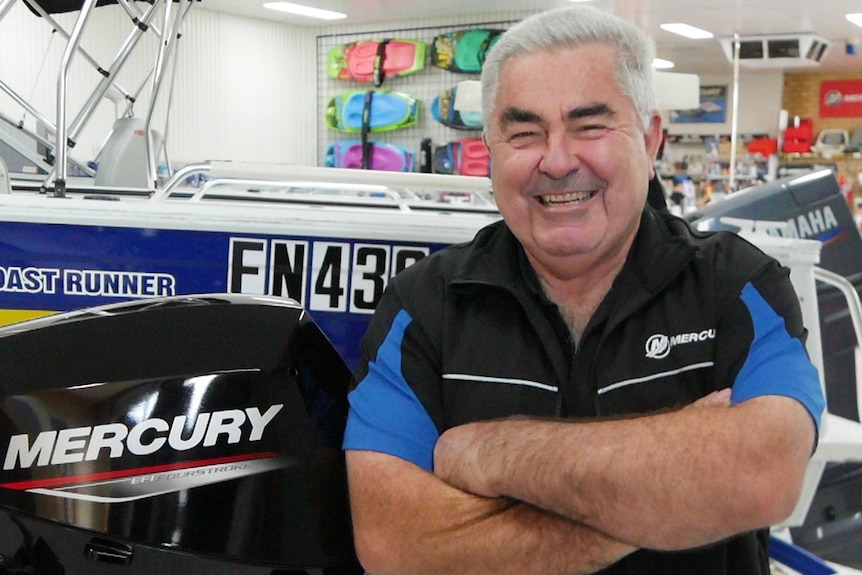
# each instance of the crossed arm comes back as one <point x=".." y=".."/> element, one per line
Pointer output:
<point x="670" y="481"/>
<point x="521" y="495"/>
<point x="406" y="520"/>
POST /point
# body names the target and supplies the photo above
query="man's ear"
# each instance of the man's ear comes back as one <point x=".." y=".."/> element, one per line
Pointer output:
<point x="653" y="138"/>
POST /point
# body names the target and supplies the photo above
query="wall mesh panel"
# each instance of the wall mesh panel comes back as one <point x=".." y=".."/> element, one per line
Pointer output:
<point x="424" y="85"/>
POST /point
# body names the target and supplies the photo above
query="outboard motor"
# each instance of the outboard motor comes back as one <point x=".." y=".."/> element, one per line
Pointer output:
<point x="809" y="206"/>
<point x="812" y="206"/>
<point x="192" y="434"/>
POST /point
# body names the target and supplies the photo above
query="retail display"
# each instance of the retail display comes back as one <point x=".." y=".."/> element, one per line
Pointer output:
<point x="375" y="111"/>
<point x="369" y="156"/>
<point x="424" y="73"/>
<point x="464" y="156"/>
<point x="464" y="50"/>
<point x="798" y="138"/>
<point x="374" y="61"/>
<point x="763" y="145"/>
<point x="443" y="110"/>
<point x="855" y="144"/>
<point x="831" y="141"/>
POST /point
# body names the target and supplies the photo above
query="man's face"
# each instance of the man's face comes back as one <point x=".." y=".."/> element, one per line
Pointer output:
<point x="570" y="162"/>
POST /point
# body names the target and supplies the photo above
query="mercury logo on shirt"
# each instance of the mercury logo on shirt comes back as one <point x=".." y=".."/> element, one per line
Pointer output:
<point x="658" y="345"/>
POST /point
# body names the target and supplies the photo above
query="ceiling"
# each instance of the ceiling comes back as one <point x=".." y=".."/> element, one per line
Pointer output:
<point x="721" y="17"/>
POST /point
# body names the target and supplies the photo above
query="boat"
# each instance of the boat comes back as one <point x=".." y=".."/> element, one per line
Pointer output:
<point x="328" y="238"/>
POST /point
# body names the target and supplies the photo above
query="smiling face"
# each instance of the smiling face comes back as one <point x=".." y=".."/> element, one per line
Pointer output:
<point x="570" y="160"/>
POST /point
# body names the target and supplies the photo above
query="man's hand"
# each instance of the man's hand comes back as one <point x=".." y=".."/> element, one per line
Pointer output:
<point x="460" y="451"/>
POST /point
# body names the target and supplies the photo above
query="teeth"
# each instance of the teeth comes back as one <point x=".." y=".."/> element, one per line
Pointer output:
<point x="571" y="197"/>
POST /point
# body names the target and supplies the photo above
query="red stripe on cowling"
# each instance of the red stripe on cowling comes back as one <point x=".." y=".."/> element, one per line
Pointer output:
<point x="88" y="477"/>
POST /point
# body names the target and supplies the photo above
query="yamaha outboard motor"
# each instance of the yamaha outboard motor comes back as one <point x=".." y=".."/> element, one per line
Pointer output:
<point x="811" y="206"/>
<point x="194" y="434"/>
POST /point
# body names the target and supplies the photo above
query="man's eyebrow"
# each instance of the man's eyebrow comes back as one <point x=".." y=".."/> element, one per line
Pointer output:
<point x="514" y="115"/>
<point x="591" y="110"/>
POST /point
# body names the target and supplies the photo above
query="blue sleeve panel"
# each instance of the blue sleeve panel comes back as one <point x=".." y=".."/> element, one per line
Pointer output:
<point x="385" y="414"/>
<point x="777" y="363"/>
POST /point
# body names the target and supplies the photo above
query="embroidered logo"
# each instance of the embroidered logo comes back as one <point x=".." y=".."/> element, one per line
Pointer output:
<point x="658" y="346"/>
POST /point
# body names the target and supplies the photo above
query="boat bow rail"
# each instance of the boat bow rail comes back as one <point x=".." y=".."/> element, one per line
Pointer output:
<point x="331" y="186"/>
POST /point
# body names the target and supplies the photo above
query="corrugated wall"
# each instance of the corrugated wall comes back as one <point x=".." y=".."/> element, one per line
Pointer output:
<point x="244" y="90"/>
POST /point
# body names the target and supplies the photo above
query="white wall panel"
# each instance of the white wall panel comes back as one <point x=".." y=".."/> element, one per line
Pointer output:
<point x="30" y="55"/>
<point x="244" y="88"/>
<point x="245" y="91"/>
<point x="760" y="95"/>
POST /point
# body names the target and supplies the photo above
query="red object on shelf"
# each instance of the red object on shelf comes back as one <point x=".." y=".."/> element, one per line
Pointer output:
<point x="763" y="146"/>
<point x="798" y="139"/>
<point x="474" y="157"/>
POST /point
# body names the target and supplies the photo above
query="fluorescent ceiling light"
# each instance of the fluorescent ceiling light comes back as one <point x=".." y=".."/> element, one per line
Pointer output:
<point x="855" y="18"/>
<point x="661" y="64"/>
<point x="686" y="30"/>
<point x="304" y="10"/>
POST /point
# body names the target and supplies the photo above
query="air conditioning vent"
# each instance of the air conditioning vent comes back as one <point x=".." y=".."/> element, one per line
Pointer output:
<point x="778" y="50"/>
<point x="751" y="50"/>
<point x="783" y="48"/>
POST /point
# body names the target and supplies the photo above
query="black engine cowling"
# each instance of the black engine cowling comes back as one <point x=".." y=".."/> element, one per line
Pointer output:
<point x="185" y="434"/>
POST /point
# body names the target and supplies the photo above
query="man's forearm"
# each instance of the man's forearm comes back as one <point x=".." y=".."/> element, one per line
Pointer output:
<point x="668" y="481"/>
<point x="408" y="521"/>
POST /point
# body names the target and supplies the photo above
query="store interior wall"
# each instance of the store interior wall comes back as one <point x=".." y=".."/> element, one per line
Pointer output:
<point x="801" y="98"/>
<point x="760" y="93"/>
<point x="246" y="89"/>
<point x="243" y="89"/>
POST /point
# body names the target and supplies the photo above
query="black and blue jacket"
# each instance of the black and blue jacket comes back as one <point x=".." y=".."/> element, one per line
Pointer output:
<point x="467" y="334"/>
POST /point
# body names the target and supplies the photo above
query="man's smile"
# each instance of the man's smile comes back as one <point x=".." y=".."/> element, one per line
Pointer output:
<point x="566" y="198"/>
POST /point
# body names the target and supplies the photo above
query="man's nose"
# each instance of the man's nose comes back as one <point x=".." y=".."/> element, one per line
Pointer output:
<point x="560" y="156"/>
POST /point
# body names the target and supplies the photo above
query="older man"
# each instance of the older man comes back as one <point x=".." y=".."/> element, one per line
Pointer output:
<point x="589" y="385"/>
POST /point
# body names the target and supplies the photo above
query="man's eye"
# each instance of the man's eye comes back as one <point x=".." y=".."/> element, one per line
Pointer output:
<point x="592" y="130"/>
<point x="523" y="135"/>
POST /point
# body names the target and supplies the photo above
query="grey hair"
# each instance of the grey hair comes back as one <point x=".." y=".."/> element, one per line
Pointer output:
<point x="570" y="27"/>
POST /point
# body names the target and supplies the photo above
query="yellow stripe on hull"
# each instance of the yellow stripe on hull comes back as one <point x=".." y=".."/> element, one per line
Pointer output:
<point x="9" y="316"/>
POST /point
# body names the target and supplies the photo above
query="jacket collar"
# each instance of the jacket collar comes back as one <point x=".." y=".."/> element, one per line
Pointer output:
<point x="496" y="258"/>
<point x="661" y="249"/>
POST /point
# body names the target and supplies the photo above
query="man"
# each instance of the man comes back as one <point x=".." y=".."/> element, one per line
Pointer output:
<point x="589" y="385"/>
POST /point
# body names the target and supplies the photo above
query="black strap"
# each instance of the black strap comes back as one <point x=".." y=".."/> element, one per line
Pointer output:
<point x="425" y="156"/>
<point x="367" y="147"/>
<point x="379" y="74"/>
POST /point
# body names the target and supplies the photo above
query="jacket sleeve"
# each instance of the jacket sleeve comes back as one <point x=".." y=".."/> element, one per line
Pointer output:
<point x="776" y="361"/>
<point x="393" y="395"/>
